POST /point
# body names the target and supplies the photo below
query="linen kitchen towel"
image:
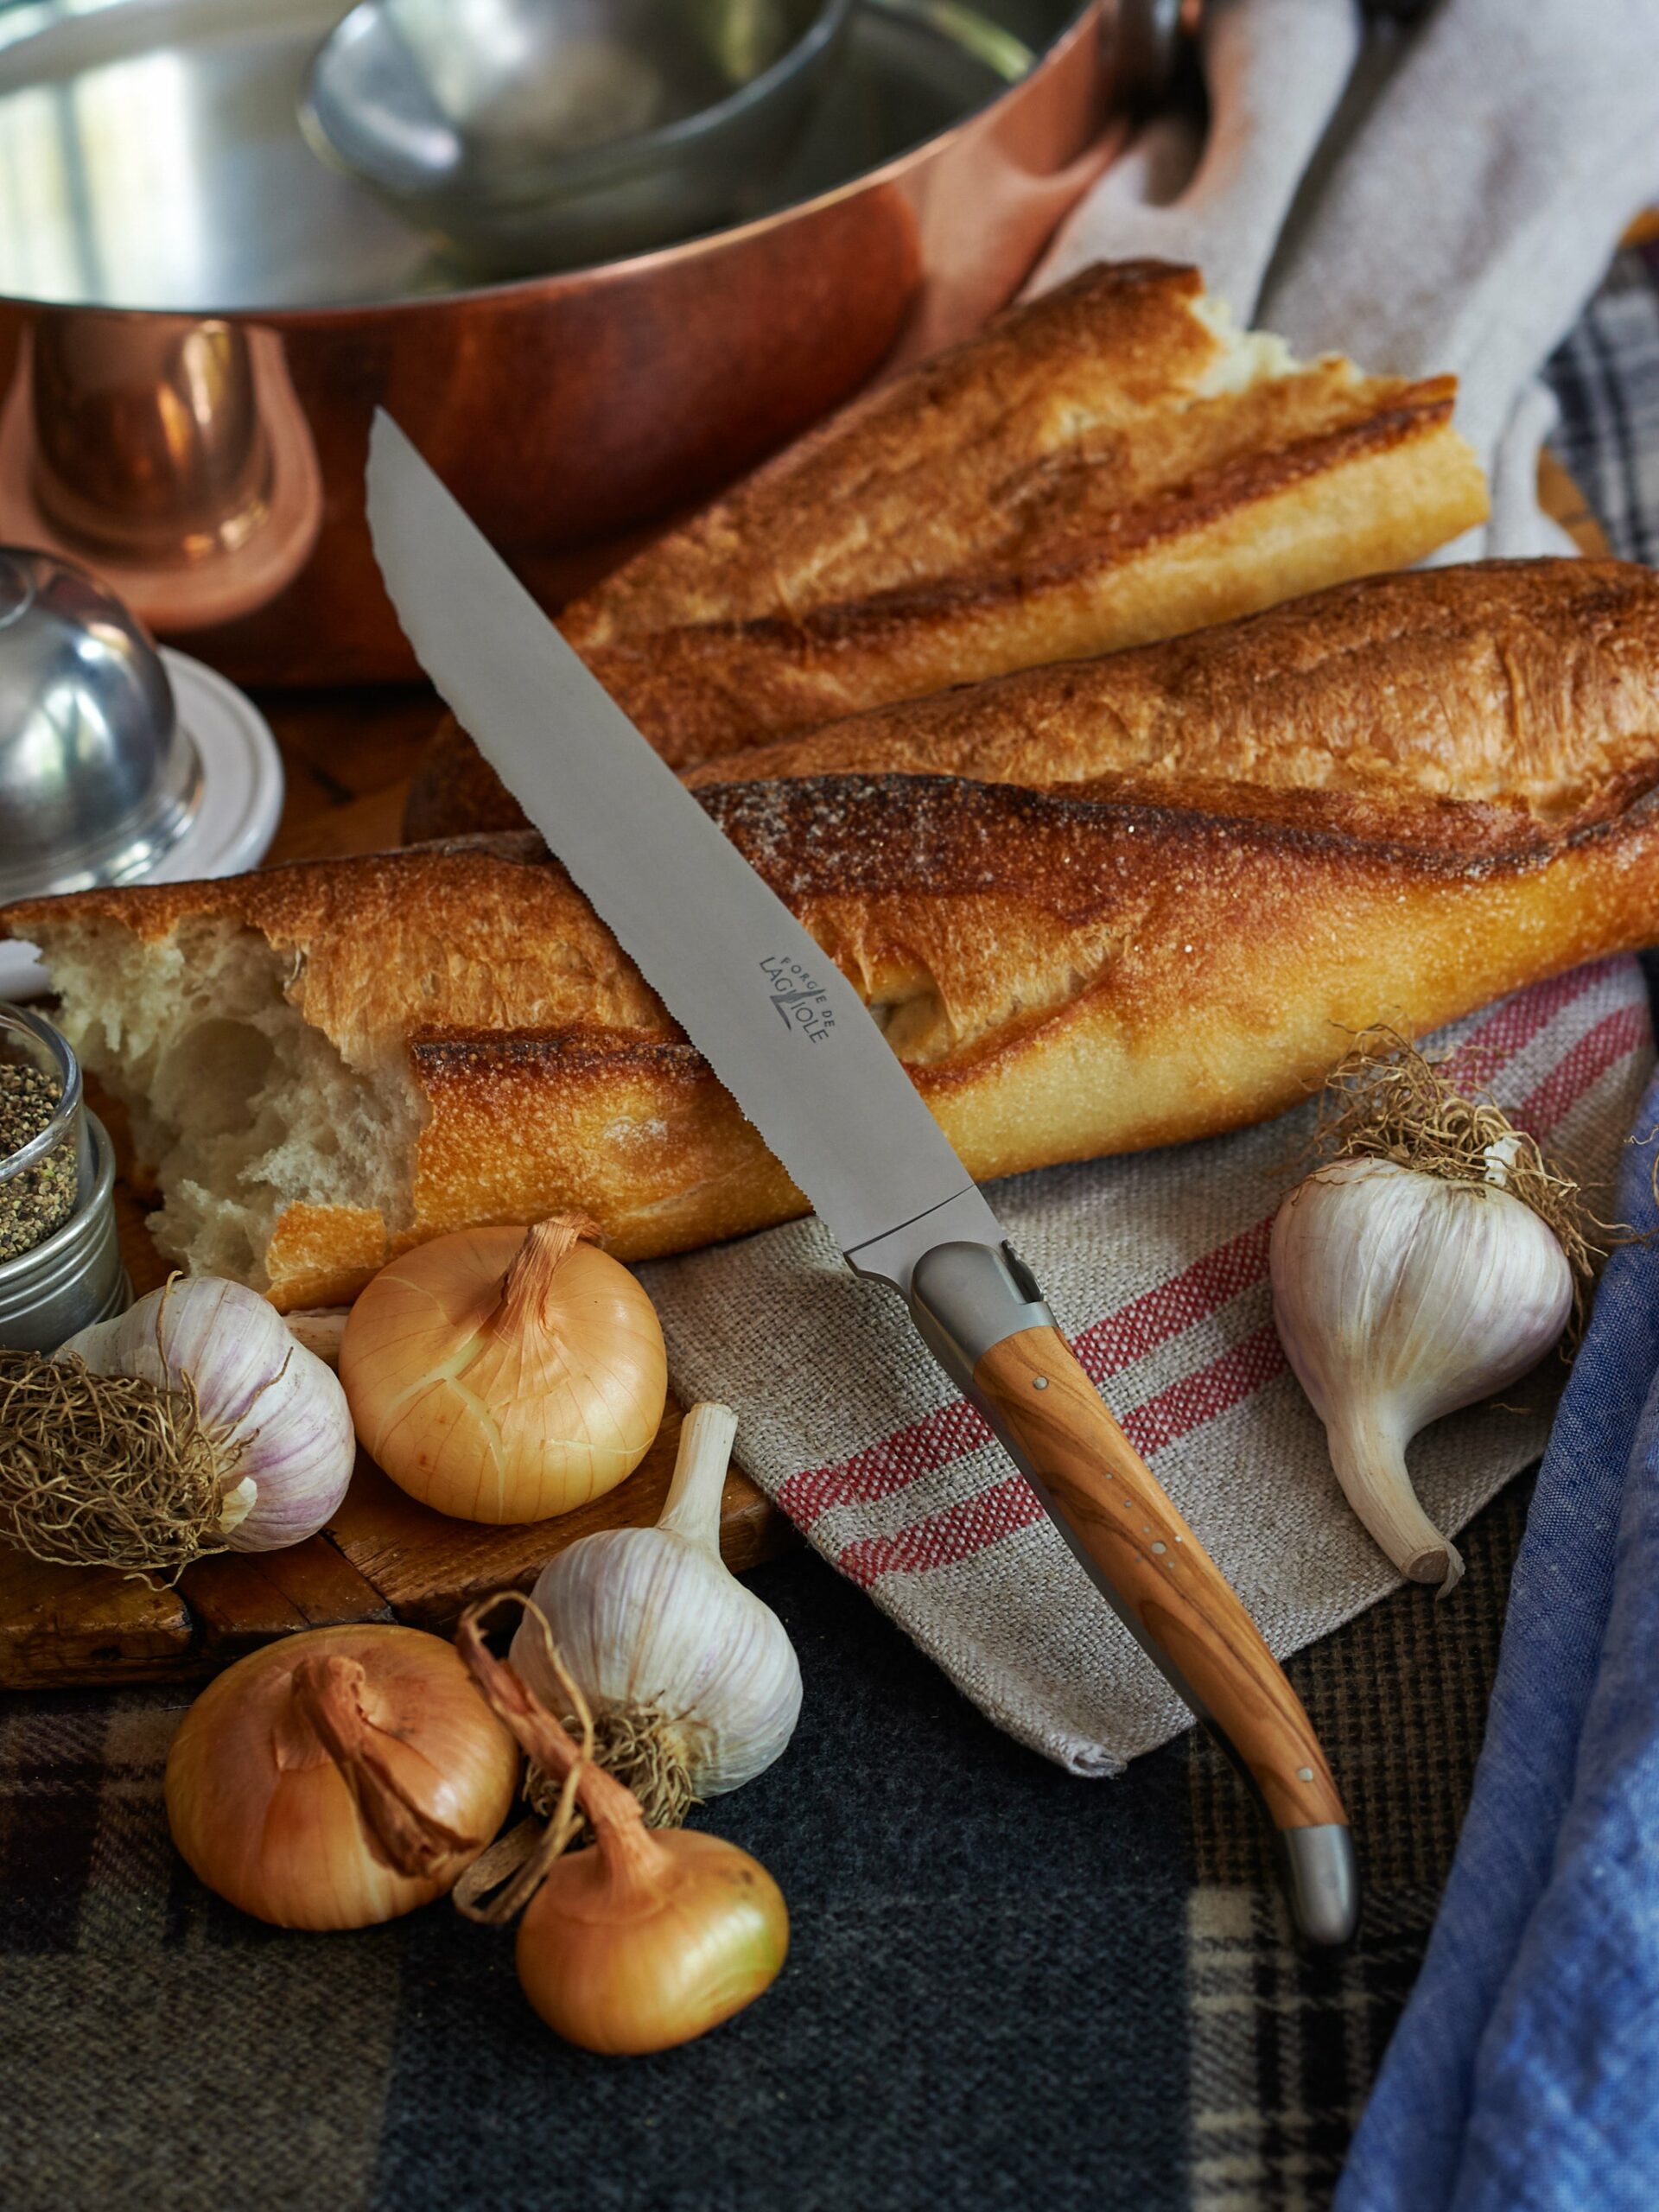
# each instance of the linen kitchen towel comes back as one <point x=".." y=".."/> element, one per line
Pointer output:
<point x="1156" y="1268"/>
<point x="1437" y="198"/>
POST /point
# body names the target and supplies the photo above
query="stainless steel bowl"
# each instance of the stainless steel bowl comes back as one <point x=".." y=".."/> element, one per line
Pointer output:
<point x="528" y="135"/>
<point x="97" y="779"/>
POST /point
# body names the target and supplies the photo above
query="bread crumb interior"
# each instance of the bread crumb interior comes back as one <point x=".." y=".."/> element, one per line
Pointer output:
<point x="238" y="1108"/>
<point x="1247" y="358"/>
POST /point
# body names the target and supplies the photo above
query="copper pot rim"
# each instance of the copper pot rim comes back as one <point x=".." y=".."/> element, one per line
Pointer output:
<point x="1086" y="23"/>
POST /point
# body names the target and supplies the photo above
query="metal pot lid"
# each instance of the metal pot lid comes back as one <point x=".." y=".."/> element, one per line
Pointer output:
<point x="150" y="155"/>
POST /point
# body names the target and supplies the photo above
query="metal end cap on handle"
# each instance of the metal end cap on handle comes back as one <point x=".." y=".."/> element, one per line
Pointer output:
<point x="1321" y="1878"/>
<point x="967" y="1297"/>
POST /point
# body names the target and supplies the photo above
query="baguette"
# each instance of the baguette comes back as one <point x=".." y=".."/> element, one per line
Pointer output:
<point x="1531" y="680"/>
<point x="330" y="1061"/>
<point x="1524" y="681"/>
<point x="1109" y="464"/>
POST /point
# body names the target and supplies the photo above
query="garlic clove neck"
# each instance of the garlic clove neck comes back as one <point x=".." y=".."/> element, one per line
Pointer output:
<point x="692" y="1509"/>
<point x="1368" y="1451"/>
<point x="236" y="1504"/>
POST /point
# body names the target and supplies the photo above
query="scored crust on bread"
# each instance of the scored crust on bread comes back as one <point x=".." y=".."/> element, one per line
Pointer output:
<point x="1110" y="463"/>
<point x="1106" y="465"/>
<point x="1532" y="681"/>
<point x="330" y="1061"/>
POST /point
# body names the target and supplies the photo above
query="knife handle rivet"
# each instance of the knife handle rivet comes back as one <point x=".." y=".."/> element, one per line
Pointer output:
<point x="1040" y="1382"/>
<point x="1304" y="1774"/>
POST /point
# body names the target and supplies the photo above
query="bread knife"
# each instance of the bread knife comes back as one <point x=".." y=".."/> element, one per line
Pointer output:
<point x="789" y="1038"/>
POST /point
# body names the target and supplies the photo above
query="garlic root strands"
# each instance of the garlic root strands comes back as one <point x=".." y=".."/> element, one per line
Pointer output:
<point x="1399" y="1296"/>
<point x="276" y="1412"/>
<point x="192" y="1422"/>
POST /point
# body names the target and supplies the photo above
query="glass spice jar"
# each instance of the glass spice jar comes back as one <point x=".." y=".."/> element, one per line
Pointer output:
<point x="59" y="1260"/>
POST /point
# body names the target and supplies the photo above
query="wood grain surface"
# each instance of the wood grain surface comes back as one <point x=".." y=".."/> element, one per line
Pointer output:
<point x="1169" y="1588"/>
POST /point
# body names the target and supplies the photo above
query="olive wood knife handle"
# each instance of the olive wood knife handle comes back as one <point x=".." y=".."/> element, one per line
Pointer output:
<point x="1161" y="1576"/>
<point x="1139" y="1551"/>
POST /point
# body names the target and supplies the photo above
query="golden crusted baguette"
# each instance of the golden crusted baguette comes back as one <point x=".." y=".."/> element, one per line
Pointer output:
<point x="1110" y="463"/>
<point x="1107" y="464"/>
<point x="330" y="1061"/>
<point x="1528" y="680"/>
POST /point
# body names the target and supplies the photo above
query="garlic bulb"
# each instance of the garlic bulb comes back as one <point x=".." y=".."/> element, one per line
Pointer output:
<point x="1399" y="1296"/>
<point x="694" y="1683"/>
<point x="190" y="1422"/>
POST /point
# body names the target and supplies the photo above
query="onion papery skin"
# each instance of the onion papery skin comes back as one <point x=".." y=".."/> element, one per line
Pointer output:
<point x="623" y="1961"/>
<point x="262" y="1815"/>
<point x="481" y="1423"/>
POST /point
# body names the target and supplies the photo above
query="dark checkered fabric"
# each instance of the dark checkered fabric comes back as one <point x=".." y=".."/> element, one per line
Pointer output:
<point x="1007" y="1989"/>
<point x="1285" y="2041"/>
<point x="1606" y="378"/>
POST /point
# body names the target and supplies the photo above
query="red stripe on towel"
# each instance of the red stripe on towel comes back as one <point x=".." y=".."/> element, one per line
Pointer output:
<point x="887" y="1465"/>
<point x="945" y="1538"/>
<point x="1580" y="1069"/>
<point x="1115" y="1342"/>
<point x="1118" y="1340"/>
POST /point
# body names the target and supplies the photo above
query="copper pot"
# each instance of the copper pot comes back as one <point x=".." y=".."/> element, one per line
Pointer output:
<point x="210" y="465"/>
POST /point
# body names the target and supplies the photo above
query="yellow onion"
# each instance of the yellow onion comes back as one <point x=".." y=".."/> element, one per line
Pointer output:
<point x="650" y="1938"/>
<point x="646" y="1938"/>
<point x="505" y="1375"/>
<point x="339" y="1778"/>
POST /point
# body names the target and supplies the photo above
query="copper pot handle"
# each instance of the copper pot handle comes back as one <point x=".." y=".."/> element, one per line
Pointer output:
<point x="1147" y="38"/>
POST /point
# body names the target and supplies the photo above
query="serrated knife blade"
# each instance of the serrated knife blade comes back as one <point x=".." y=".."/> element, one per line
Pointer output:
<point x="782" y="1027"/>
<point x="789" y="1038"/>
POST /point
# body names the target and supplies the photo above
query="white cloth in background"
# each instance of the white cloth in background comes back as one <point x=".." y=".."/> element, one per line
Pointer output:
<point x="1466" y="182"/>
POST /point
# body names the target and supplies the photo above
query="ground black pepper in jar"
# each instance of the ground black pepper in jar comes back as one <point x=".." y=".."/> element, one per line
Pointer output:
<point x="38" y="1193"/>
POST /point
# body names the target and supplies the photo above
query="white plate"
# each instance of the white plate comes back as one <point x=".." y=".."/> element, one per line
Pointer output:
<point x="241" y="798"/>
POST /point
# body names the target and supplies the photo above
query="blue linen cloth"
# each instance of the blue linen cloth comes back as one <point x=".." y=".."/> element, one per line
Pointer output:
<point x="1524" y="2073"/>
